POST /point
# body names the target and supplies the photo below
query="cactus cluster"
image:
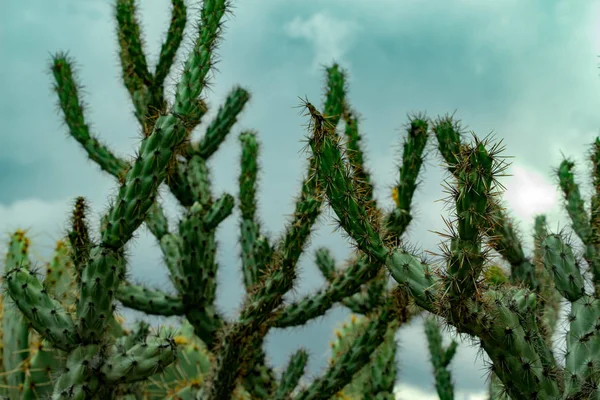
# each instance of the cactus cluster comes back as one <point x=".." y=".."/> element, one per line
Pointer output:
<point x="61" y="338"/>
<point x="513" y="322"/>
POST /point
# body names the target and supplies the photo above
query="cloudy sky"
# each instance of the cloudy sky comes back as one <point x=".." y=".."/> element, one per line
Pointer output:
<point x="527" y="71"/>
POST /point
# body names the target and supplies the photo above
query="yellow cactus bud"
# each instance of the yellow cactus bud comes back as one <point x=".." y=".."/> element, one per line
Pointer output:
<point x="395" y="196"/>
<point x="180" y="339"/>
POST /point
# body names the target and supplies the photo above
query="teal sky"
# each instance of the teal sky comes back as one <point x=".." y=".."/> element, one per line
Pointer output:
<point x="525" y="70"/>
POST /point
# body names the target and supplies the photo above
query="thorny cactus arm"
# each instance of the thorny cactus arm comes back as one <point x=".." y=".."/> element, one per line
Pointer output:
<point x="582" y="224"/>
<point x="14" y="327"/>
<point x="549" y="298"/>
<point x="340" y="373"/>
<point x="46" y="315"/>
<point x="253" y="257"/>
<point x="355" y="152"/>
<point x="473" y="196"/>
<point x="371" y="293"/>
<point x="335" y="178"/>
<point x="361" y="272"/>
<point x="504" y="237"/>
<point x="149" y="301"/>
<point x="136" y="74"/>
<point x="291" y="375"/>
<point x="440" y="359"/>
<point x="45" y="361"/>
<point x="412" y="160"/>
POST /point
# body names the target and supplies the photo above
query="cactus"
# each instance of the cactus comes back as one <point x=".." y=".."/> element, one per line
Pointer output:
<point x="35" y="362"/>
<point x="440" y="359"/>
<point x="14" y="327"/>
<point x="375" y="380"/>
<point x="72" y="313"/>
<point x="503" y="318"/>
<point x="77" y="327"/>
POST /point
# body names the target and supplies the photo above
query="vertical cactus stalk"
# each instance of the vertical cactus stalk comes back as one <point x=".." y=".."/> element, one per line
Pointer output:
<point x="440" y="359"/>
<point x="253" y="258"/>
<point x="292" y="374"/>
<point x="412" y="160"/>
<point x="473" y="197"/>
<point x="581" y="221"/>
<point x="14" y="327"/>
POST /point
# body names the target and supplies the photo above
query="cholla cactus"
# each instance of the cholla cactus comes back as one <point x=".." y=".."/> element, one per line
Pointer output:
<point x="507" y="320"/>
<point x="513" y="318"/>
<point x="269" y="266"/>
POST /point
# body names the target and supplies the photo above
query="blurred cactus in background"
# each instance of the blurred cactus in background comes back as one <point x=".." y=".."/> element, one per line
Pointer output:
<point x="440" y="358"/>
<point x="61" y="336"/>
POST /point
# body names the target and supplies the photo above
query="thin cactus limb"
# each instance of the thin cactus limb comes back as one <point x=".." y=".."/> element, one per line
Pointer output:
<point x="440" y="359"/>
